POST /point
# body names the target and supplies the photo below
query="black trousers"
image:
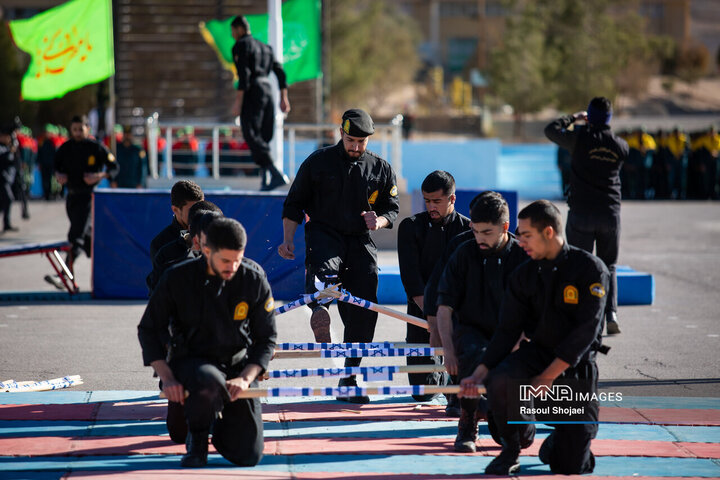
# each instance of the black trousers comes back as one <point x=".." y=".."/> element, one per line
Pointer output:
<point x="238" y="433"/>
<point x="570" y="448"/>
<point x="79" y="208"/>
<point x="417" y="334"/>
<point x="257" y="119"/>
<point x="7" y="179"/>
<point x="603" y="232"/>
<point x="351" y="260"/>
<point x="470" y="344"/>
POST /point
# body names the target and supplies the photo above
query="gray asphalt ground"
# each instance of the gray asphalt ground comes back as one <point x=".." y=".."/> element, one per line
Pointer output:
<point x="666" y="349"/>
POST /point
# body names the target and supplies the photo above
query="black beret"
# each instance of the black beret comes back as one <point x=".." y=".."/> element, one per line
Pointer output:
<point x="357" y="123"/>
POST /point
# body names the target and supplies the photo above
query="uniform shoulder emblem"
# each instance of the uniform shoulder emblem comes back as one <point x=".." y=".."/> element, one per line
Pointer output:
<point x="394" y="191"/>
<point x="111" y="157"/>
<point x="598" y="290"/>
<point x="241" y="311"/>
<point x="570" y="295"/>
<point x="269" y="304"/>
<point x="373" y="197"/>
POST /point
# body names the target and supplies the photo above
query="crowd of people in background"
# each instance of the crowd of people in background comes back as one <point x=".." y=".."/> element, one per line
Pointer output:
<point x="669" y="164"/>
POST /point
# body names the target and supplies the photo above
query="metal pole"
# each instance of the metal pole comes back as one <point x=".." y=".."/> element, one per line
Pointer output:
<point x="168" y="152"/>
<point x="111" y="128"/>
<point x="291" y="152"/>
<point x="216" y="153"/>
<point x="275" y="39"/>
<point x="152" y="138"/>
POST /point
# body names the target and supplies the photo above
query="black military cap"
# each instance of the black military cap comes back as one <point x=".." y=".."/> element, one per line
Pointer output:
<point x="357" y="123"/>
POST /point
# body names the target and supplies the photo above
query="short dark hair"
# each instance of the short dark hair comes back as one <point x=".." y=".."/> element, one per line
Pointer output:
<point x="202" y="220"/>
<point x="543" y="214"/>
<point x="196" y="211"/>
<point x="203" y="205"/>
<point x="602" y="104"/>
<point x="80" y="119"/>
<point x="226" y="233"/>
<point x="185" y="191"/>
<point x="241" y="21"/>
<point x="439" y="180"/>
<point x="489" y="207"/>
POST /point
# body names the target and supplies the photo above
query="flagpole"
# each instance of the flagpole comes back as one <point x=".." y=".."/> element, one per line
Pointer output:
<point x="275" y="39"/>
<point x="111" y="128"/>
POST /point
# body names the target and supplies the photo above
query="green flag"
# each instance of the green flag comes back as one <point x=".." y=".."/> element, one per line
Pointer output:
<point x="71" y="45"/>
<point x="301" y="38"/>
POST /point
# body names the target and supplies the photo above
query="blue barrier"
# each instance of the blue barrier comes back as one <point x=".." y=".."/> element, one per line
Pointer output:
<point x="126" y="220"/>
<point x="634" y="288"/>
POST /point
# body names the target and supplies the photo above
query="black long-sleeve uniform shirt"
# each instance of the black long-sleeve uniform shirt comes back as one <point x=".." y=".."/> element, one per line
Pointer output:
<point x="420" y="246"/>
<point x="167" y="235"/>
<point x="473" y="283"/>
<point x="254" y="60"/>
<point x="559" y="304"/>
<point x="334" y="190"/>
<point x="597" y="155"/>
<point x="75" y="159"/>
<point x="430" y="300"/>
<point x="211" y="319"/>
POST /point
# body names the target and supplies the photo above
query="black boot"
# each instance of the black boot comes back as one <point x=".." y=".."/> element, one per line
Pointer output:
<point x="452" y="409"/>
<point x="351" y="381"/>
<point x="507" y="463"/>
<point x="277" y="180"/>
<point x="175" y="422"/>
<point x="197" y="450"/>
<point x="467" y="432"/>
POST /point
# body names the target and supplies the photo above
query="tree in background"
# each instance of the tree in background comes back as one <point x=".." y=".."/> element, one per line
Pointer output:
<point x="692" y="62"/>
<point x="604" y="50"/>
<point x="519" y="69"/>
<point x="372" y="51"/>
<point x="564" y="52"/>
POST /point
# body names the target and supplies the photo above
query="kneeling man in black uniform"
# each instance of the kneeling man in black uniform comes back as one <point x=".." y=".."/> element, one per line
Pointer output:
<point x="557" y="300"/>
<point x="220" y="314"/>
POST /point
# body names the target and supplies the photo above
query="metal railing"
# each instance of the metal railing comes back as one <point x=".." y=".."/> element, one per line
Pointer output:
<point x="389" y="135"/>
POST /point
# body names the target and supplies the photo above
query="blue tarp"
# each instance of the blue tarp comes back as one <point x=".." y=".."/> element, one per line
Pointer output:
<point x="125" y="221"/>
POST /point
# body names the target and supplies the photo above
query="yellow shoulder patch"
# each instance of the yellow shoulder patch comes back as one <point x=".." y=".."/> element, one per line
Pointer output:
<point x="241" y="311"/>
<point x="373" y="197"/>
<point x="570" y="295"/>
<point x="270" y="305"/>
<point x="598" y="290"/>
<point x="393" y="191"/>
<point x="91" y="160"/>
<point x="111" y="157"/>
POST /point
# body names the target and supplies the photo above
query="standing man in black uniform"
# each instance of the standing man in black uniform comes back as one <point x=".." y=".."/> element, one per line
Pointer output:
<point x="594" y="196"/>
<point x="347" y="192"/>
<point x="421" y="241"/>
<point x="469" y="298"/>
<point x="254" y="61"/>
<point x="220" y="312"/>
<point x="8" y="171"/>
<point x="81" y="163"/>
<point x="558" y="301"/>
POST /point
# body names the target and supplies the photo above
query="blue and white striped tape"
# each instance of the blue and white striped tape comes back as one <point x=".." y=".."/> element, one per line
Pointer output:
<point x="379" y="352"/>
